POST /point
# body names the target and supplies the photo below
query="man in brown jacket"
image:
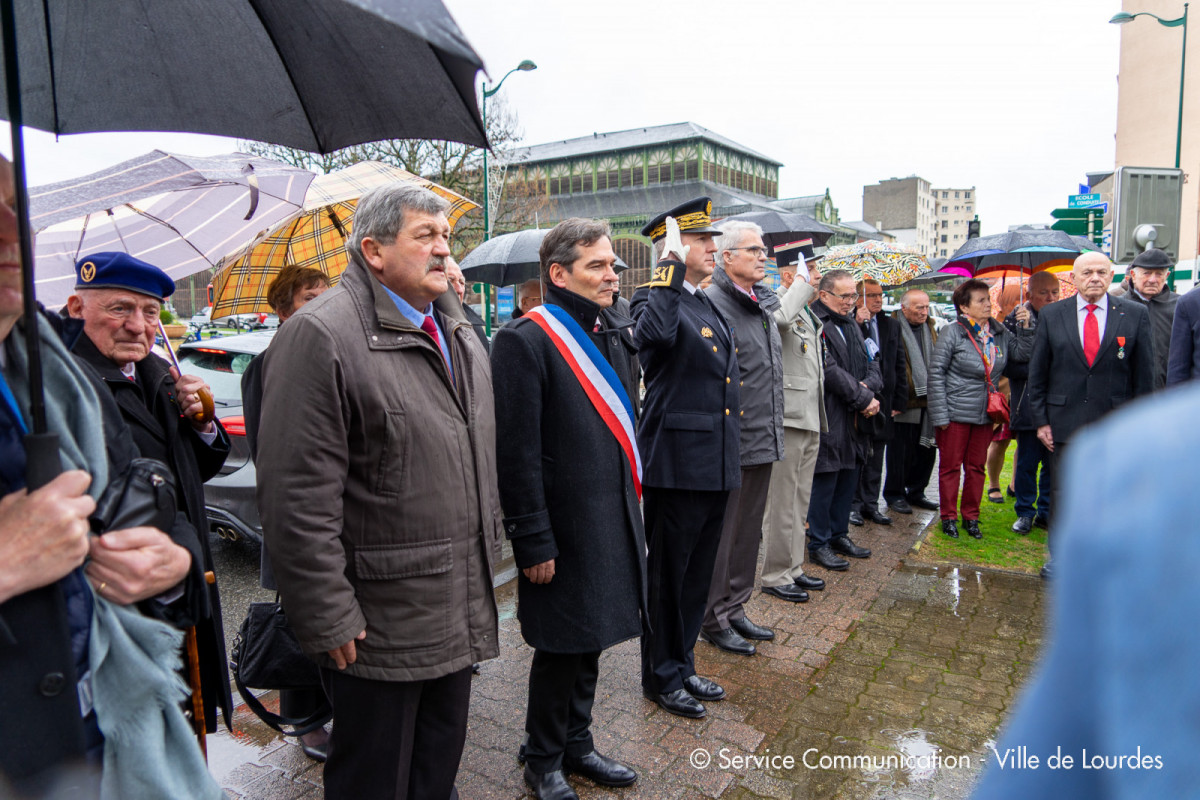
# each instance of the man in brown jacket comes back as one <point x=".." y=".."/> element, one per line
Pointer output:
<point x="379" y="500"/>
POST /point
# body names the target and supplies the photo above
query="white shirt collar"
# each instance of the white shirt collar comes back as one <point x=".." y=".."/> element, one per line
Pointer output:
<point x="130" y="370"/>
<point x="690" y="289"/>
<point x="1101" y="305"/>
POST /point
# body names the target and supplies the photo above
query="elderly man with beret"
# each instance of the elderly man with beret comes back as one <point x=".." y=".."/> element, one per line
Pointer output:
<point x="119" y="299"/>
<point x="1146" y="283"/>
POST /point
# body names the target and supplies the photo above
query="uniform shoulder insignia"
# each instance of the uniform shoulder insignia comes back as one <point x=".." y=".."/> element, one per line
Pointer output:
<point x="662" y="275"/>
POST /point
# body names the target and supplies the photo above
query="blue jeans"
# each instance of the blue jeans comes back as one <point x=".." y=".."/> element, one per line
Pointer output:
<point x="1031" y="490"/>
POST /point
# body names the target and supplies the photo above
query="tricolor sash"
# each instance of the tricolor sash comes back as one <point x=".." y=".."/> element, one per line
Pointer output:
<point x="597" y="377"/>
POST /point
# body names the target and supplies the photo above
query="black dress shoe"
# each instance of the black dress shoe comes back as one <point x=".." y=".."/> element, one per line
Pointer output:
<point x="680" y="703"/>
<point x="1023" y="525"/>
<point x="1041" y="522"/>
<point x="971" y="526"/>
<point x="810" y="583"/>
<point x="876" y="517"/>
<point x="749" y="630"/>
<point x="730" y="641"/>
<point x="1047" y="571"/>
<point x="703" y="688"/>
<point x="950" y="528"/>
<point x="600" y="769"/>
<point x="549" y="785"/>
<point x="318" y="752"/>
<point x="843" y="545"/>
<point x="824" y="556"/>
<point x="789" y="591"/>
<point x="900" y="506"/>
<point x="856" y="518"/>
<point x="920" y="502"/>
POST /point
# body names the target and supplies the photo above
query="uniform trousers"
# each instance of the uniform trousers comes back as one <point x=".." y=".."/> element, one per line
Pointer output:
<point x="787" y="508"/>
<point x="562" y="688"/>
<point x="909" y="465"/>
<point x="737" y="555"/>
<point x="395" y="740"/>
<point x="829" y="511"/>
<point x="962" y="453"/>
<point x="683" y="531"/>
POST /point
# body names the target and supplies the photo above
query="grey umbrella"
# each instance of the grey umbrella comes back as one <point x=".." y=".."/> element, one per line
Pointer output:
<point x="315" y="74"/>
<point x="509" y="258"/>
<point x="180" y="213"/>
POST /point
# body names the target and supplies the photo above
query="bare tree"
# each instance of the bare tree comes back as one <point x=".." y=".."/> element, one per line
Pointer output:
<point x="456" y="166"/>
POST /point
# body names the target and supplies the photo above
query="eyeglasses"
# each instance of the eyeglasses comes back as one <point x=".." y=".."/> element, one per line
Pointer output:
<point x="757" y="251"/>
<point x="844" y="297"/>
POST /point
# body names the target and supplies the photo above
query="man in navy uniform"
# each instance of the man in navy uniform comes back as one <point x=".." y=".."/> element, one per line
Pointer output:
<point x="689" y="443"/>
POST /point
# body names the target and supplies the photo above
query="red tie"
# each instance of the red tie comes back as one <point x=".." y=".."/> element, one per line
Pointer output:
<point x="1091" y="334"/>
<point x="429" y="327"/>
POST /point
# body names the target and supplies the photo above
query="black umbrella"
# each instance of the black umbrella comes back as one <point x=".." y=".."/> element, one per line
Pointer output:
<point x="1026" y="249"/>
<point x="314" y="74"/>
<point x="782" y="227"/>
<point x="510" y="258"/>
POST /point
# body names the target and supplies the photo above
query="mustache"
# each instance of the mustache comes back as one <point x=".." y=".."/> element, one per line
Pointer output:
<point x="438" y="262"/>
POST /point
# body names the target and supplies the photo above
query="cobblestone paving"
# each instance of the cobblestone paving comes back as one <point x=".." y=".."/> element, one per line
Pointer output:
<point x="893" y="659"/>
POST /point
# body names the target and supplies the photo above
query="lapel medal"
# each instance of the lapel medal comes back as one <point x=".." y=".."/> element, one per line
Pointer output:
<point x="1120" y="347"/>
<point x="706" y="332"/>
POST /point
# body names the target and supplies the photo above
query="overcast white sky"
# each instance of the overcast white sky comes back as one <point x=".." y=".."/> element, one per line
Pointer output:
<point x="1015" y="97"/>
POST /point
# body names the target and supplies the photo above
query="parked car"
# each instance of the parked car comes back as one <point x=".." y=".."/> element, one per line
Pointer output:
<point x="229" y="496"/>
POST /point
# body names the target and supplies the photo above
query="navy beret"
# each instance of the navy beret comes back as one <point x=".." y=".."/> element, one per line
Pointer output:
<point x="1153" y="259"/>
<point x="122" y="271"/>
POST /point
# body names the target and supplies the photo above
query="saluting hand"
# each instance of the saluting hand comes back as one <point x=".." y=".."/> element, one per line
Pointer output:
<point x="674" y="242"/>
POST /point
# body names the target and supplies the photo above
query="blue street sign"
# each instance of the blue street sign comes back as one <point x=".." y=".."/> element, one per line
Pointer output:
<point x="1084" y="188"/>
<point x="1083" y="200"/>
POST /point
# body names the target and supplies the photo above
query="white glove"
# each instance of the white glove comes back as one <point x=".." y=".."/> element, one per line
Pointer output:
<point x="674" y="243"/>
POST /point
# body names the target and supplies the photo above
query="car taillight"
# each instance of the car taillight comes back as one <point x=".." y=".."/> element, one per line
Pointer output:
<point x="234" y="426"/>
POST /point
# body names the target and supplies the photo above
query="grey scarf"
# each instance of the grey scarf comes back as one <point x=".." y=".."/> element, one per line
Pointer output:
<point x="917" y="352"/>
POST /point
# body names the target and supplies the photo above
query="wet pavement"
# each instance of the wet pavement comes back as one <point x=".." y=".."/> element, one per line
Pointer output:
<point x="890" y="683"/>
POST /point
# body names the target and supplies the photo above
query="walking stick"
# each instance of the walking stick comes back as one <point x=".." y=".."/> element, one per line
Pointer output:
<point x="193" y="665"/>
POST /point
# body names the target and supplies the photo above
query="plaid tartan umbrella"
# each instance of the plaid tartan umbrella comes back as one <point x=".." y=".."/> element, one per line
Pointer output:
<point x="890" y="264"/>
<point x="314" y="237"/>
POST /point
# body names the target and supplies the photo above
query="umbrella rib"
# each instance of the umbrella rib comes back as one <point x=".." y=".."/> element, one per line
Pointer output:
<point x="169" y="227"/>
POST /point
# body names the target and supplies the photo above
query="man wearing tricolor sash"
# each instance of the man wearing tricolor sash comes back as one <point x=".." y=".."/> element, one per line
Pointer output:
<point x="570" y="485"/>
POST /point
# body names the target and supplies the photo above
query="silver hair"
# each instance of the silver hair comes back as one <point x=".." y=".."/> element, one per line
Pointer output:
<point x="380" y="213"/>
<point x="733" y="232"/>
<point x="904" y="300"/>
<point x="520" y="292"/>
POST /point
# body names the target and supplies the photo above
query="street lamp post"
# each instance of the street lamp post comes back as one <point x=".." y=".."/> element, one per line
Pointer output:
<point x="524" y="66"/>
<point x="1124" y="18"/>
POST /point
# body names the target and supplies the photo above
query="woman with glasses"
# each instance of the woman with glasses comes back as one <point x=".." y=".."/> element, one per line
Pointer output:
<point x="970" y="356"/>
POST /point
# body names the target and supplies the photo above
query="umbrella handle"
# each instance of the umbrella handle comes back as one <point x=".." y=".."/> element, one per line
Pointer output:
<point x="208" y="408"/>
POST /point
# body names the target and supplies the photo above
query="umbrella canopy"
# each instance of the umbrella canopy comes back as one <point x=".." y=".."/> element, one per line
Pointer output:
<point x="782" y="227"/>
<point x="890" y="264"/>
<point x="1020" y="251"/>
<point x="313" y="237"/>
<point x="271" y="70"/>
<point x="509" y="258"/>
<point x="180" y="213"/>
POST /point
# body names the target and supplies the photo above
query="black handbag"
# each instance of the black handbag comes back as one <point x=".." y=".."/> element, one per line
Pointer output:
<point x="142" y="495"/>
<point x="267" y="655"/>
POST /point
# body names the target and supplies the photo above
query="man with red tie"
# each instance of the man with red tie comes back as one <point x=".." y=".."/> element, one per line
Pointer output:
<point x="1092" y="353"/>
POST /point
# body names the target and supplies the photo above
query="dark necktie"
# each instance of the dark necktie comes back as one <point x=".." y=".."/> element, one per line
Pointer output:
<point x="1091" y="334"/>
<point x="429" y="327"/>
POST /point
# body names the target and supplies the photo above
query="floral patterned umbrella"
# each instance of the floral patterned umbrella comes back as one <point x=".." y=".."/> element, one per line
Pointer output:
<point x="890" y="264"/>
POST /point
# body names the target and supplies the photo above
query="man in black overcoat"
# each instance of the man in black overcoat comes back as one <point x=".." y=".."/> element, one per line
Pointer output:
<point x="884" y="334"/>
<point x="570" y="497"/>
<point x="118" y="297"/>
<point x="1092" y="353"/>
<point x="689" y="441"/>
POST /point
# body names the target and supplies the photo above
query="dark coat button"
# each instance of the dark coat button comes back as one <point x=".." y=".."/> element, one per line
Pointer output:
<point x="52" y="683"/>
